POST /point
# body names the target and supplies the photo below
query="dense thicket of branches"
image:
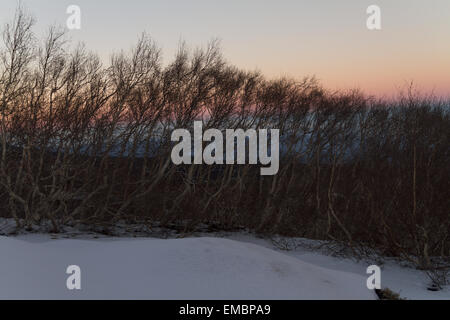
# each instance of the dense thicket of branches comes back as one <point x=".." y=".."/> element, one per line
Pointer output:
<point x="84" y="142"/>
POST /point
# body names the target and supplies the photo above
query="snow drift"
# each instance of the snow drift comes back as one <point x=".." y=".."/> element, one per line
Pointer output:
<point x="34" y="267"/>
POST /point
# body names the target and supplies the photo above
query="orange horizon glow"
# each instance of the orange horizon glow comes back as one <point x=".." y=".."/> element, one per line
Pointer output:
<point x="291" y="38"/>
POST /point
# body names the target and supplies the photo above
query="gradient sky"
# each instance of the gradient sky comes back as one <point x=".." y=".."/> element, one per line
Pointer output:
<point x="325" y="38"/>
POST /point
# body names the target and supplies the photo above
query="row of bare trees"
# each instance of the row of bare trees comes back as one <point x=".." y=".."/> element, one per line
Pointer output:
<point x="81" y="142"/>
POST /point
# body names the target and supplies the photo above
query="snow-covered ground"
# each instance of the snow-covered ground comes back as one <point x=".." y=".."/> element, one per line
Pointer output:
<point x="234" y="266"/>
<point x="408" y="282"/>
<point x="190" y="268"/>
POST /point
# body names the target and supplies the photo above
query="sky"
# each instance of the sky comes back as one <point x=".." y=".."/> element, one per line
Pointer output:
<point x="325" y="38"/>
